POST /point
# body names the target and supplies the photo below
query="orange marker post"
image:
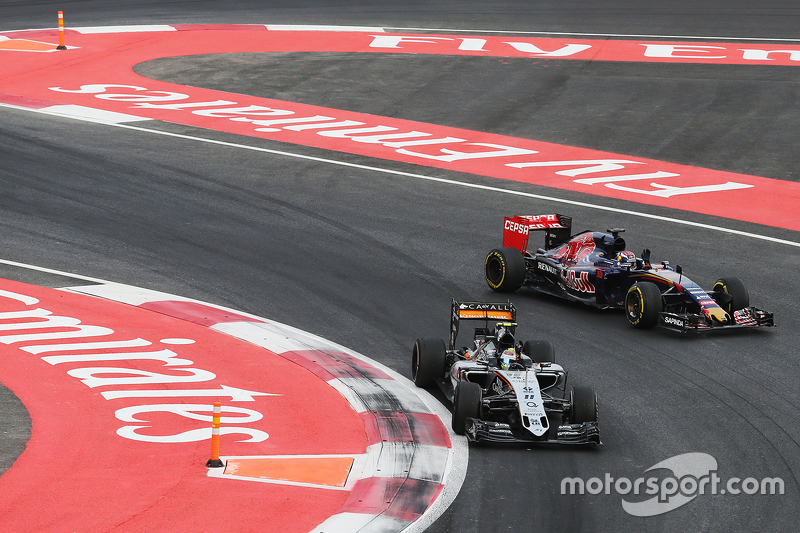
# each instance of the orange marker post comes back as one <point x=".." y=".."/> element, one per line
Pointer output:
<point x="61" y="45"/>
<point x="215" y="461"/>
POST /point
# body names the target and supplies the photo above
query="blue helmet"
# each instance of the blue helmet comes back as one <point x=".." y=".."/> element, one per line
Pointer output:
<point x="626" y="259"/>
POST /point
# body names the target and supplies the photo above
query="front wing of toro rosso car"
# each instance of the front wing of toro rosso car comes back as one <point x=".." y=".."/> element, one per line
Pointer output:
<point x="596" y="269"/>
<point x="503" y="390"/>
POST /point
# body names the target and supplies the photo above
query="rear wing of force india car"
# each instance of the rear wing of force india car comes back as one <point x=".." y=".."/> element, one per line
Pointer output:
<point x="516" y="230"/>
<point x="497" y="312"/>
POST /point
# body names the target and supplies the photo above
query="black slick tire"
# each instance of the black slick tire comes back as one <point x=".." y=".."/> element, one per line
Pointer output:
<point x="466" y="404"/>
<point x="427" y="361"/>
<point x="540" y="351"/>
<point x="643" y="304"/>
<point x="584" y="405"/>
<point x="735" y="289"/>
<point x="504" y="269"/>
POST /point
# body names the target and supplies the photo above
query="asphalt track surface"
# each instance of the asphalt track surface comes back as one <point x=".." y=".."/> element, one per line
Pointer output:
<point x="370" y="260"/>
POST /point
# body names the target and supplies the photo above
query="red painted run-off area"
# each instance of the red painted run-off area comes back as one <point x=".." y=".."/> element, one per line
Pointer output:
<point x="98" y="73"/>
<point x="121" y="444"/>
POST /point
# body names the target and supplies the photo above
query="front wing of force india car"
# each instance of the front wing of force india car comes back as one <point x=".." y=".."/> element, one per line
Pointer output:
<point x="596" y="269"/>
<point x="503" y="390"/>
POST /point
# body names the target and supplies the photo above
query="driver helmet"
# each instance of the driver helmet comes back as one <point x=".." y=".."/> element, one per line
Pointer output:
<point x="626" y="259"/>
<point x="507" y="357"/>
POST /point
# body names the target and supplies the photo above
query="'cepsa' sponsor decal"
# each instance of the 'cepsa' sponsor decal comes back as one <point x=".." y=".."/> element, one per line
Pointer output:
<point x="577" y="280"/>
<point x="516" y="227"/>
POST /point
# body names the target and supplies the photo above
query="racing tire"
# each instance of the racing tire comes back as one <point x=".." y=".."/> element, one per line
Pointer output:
<point x="466" y="404"/>
<point x="427" y="361"/>
<point x="584" y="405"/>
<point x="504" y="269"/>
<point x="540" y="351"/>
<point x="739" y="297"/>
<point x="643" y="304"/>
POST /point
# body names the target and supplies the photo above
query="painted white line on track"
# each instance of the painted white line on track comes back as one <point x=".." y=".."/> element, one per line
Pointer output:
<point x="143" y="28"/>
<point x="431" y="178"/>
<point x="317" y="27"/>
<point x="124" y="29"/>
<point x="576" y="34"/>
<point x="385" y="29"/>
<point x="51" y="271"/>
<point x="92" y="114"/>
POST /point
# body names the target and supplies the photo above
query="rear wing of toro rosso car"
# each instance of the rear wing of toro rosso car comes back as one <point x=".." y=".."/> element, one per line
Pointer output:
<point x="516" y="230"/>
<point x="502" y="312"/>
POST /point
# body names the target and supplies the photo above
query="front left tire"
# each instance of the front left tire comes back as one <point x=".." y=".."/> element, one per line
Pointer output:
<point x="466" y="404"/>
<point x="584" y="405"/>
<point x="738" y="297"/>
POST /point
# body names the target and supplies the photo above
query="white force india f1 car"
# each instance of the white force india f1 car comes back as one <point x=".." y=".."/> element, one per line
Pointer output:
<point x="503" y="390"/>
<point x="595" y="268"/>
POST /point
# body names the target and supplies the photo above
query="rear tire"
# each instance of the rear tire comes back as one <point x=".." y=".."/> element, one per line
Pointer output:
<point x="504" y="269"/>
<point x="584" y="405"/>
<point x="427" y="361"/>
<point x="739" y="297"/>
<point x="466" y="404"/>
<point x="539" y="351"/>
<point x="643" y="304"/>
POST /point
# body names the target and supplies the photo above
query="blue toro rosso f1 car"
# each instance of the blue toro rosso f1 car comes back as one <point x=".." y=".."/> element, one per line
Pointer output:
<point x="503" y="390"/>
<point x="596" y="269"/>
